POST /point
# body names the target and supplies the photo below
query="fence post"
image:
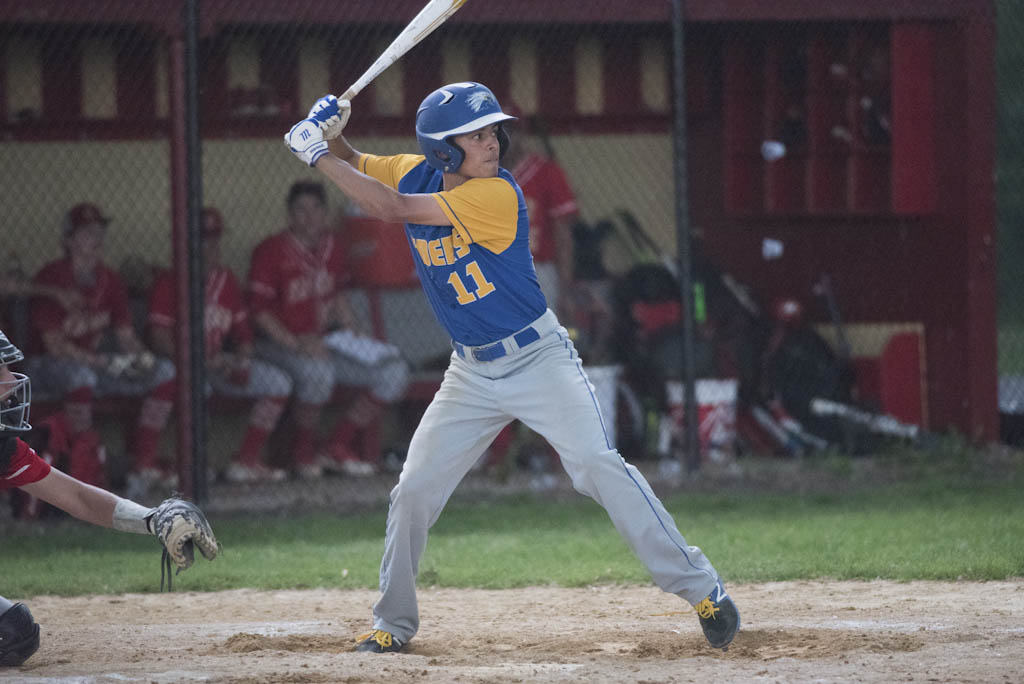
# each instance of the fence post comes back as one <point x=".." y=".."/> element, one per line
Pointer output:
<point x="682" y="207"/>
<point x="186" y="205"/>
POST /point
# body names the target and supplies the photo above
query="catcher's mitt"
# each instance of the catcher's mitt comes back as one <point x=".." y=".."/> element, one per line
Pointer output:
<point x="179" y="525"/>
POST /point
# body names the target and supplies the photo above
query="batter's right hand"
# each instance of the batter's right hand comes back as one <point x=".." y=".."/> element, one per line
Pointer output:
<point x="331" y="114"/>
<point x="306" y="141"/>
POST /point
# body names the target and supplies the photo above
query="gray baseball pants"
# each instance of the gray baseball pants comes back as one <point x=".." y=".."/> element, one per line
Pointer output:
<point x="543" y="384"/>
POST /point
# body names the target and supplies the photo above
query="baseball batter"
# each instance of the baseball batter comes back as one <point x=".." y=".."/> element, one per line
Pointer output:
<point x="177" y="524"/>
<point x="467" y="226"/>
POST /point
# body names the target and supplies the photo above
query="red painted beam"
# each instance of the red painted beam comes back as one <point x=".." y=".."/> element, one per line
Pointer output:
<point x="216" y="12"/>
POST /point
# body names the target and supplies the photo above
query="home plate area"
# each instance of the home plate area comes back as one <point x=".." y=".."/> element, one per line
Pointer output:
<point x="814" y="631"/>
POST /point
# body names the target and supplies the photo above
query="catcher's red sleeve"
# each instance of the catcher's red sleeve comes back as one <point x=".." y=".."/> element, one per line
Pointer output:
<point x="25" y="468"/>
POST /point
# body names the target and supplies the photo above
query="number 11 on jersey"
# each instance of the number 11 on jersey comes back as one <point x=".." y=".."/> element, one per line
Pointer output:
<point x="484" y="287"/>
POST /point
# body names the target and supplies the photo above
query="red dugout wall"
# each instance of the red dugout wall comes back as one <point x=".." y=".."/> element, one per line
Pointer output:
<point x="912" y="237"/>
<point x="906" y="231"/>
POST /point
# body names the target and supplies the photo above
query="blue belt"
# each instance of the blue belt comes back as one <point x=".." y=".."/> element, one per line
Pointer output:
<point x="490" y="352"/>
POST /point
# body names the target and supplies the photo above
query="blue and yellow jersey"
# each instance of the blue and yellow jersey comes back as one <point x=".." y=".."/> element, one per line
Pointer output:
<point x="477" y="272"/>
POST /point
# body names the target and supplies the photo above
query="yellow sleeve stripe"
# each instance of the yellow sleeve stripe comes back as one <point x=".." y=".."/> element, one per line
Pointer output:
<point x="457" y="224"/>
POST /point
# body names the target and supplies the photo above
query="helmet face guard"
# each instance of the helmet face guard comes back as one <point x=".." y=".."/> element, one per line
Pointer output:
<point x="15" y="391"/>
<point x="453" y="110"/>
<point x="15" y="401"/>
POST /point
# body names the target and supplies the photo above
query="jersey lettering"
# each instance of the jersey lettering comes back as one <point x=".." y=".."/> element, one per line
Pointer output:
<point x="436" y="253"/>
<point x="443" y="251"/>
<point x="217" y="318"/>
<point x="319" y="284"/>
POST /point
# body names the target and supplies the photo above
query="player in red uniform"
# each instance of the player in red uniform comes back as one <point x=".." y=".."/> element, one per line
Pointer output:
<point x="21" y="467"/>
<point x="229" y="356"/>
<point x="74" y="364"/>
<point x="295" y="287"/>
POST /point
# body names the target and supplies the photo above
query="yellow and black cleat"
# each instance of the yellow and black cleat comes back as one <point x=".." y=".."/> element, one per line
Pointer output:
<point x="378" y="641"/>
<point x="718" y="618"/>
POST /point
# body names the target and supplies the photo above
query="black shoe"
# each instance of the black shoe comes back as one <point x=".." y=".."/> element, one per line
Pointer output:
<point x="379" y="641"/>
<point x="718" y="617"/>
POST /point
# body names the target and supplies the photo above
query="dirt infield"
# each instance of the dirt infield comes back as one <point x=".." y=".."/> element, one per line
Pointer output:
<point x="792" y="632"/>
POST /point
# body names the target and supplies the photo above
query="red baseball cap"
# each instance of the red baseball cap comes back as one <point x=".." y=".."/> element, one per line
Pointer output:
<point x="212" y="222"/>
<point x="83" y="214"/>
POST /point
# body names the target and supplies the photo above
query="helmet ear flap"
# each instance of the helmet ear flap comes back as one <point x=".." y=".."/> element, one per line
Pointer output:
<point x="455" y="159"/>
<point x="503" y="141"/>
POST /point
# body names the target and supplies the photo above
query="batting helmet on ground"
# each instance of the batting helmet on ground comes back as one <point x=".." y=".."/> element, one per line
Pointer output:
<point x="452" y="110"/>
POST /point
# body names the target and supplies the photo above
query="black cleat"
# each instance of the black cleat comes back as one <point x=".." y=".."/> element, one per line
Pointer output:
<point x="379" y="641"/>
<point x="718" y="617"/>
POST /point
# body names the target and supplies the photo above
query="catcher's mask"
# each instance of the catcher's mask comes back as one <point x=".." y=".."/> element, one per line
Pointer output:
<point x="15" y="390"/>
<point x="452" y="110"/>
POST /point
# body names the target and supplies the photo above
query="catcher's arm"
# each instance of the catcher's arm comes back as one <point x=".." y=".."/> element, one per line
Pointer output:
<point x="83" y="501"/>
<point x="178" y="524"/>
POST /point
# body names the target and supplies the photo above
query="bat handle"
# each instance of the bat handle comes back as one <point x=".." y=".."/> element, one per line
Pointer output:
<point x="350" y="93"/>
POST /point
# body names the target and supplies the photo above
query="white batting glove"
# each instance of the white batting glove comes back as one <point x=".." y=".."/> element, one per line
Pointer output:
<point x="306" y="141"/>
<point x="331" y="114"/>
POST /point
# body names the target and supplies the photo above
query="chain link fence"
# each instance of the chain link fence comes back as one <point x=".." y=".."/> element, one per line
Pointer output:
<point x="816" y="189"/>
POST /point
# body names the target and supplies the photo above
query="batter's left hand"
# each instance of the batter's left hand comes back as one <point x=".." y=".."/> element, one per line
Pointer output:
<point x="306" y="141"/>
<point x="331" y="114"/>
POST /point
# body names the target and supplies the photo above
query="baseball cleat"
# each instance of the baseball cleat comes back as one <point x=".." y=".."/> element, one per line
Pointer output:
<point x="309" y="471"/>
<point x="354" y="468"/>
<point x="240" y="473"/>
<point x="379" y="641"/>
<point x="718" y="617"/>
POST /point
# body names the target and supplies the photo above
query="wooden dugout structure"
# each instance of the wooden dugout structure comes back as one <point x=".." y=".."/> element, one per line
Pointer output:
<point x="903" y="221"/>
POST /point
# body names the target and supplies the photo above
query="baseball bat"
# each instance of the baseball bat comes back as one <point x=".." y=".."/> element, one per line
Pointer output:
<point x="433" y="14"/>
<point x="879" y="423"/>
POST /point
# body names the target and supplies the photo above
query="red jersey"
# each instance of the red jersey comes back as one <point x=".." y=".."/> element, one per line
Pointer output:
<point x="224" y="314"/>
<point x="26" y="467"/>
<point x="548" y="199"/>
<point x="295" y="283"/>
<point x="105" y="306"/>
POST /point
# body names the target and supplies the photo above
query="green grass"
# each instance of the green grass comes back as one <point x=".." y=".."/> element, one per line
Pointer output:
<point x="923" y="528"/>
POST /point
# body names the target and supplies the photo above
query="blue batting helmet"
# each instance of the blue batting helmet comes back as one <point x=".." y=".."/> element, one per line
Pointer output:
<point x="452" y="110"/>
